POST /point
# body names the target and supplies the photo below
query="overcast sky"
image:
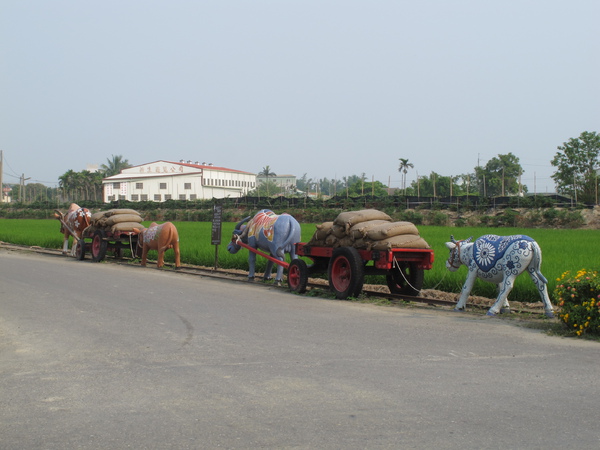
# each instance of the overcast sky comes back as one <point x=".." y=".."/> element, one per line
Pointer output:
<point x="330" y="88"/>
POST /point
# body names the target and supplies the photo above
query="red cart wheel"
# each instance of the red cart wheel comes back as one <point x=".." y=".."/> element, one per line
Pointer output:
<point x="297" y="276"/>
<point x="405" y="279"/>
<point x="99" y="246"/>
<point x="346" y="272"/>
<point x="80" y="250"/>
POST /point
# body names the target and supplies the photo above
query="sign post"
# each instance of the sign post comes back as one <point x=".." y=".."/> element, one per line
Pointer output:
<point x="216" y="230"/>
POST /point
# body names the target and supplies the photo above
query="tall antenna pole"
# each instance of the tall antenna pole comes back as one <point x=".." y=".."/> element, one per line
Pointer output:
<point x="1" y="185"/>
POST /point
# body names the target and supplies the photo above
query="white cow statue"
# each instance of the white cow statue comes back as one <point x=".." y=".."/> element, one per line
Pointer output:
<point x="499" y="260"/>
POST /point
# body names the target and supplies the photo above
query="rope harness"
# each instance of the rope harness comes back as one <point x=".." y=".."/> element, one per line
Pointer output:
<point x="455" y="254"/>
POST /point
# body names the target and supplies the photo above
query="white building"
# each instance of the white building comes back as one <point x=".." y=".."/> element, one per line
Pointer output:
<point x="164" y="180"/>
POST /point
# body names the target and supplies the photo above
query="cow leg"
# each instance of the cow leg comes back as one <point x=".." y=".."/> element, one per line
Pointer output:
<point x="466" y="289"/>
<point x="279" y="277"/>
<point x="268" y="270"/>
<point x="541" y="284"/>
<point x="505" y="309"/>
<point x="251" y="265"/>
<point x="505" y="288"/>
<point x="144" y="255"/>
<point x="177" y="255"/>
<point x="161" y="258"/>
<point x="65" y="246"/>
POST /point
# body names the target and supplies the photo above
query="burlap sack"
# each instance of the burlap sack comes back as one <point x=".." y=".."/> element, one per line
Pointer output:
<point x="400" y="241"/>
<point x="97" y="216"/>
<point x="323" y="230"/>
<point x="360" y="230"/>
<point x="331" y="240"/>
<point x="389" y="229"/>
<point x="126" y="226"/>
<point x="120" y="218"/>
<point x="338" y="231"/>
<point x="346" y="241"/>
<point x="349" y="218"/>
<point x="362" y="244"/>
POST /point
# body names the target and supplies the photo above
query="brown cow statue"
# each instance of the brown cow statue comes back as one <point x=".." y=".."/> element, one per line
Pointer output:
<point x="73" y="223"/>
<point x="161" y="238"/>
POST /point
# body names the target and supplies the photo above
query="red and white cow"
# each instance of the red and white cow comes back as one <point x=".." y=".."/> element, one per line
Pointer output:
<point x="73" y="223"/>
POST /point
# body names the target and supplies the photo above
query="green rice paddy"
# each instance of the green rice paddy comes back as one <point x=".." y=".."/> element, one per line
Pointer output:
<point x="563" y="250"/>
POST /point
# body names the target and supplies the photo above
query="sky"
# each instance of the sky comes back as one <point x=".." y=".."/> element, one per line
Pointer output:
<point x="326" y="88"/>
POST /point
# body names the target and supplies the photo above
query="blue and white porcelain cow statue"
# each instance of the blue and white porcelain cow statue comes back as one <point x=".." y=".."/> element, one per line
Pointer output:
<point x="269" y="232"/>
<point x="499" y="260"/>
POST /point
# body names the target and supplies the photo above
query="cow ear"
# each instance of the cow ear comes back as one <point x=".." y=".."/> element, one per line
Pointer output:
<point x="137" y="230"/>
<point x="451" y="245"/>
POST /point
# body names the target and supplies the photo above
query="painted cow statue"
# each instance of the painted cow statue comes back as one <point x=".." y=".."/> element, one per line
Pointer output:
<point x="269" y="232"/>
<point x="499" y="260"/>
<point x="161" y="238"/>
<point x="72" y="223"/>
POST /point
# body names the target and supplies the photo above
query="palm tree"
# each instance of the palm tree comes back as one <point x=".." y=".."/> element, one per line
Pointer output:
<point x="404" y="166"/>
<point x="114" y="166"/>
<point x="266" y="172"/>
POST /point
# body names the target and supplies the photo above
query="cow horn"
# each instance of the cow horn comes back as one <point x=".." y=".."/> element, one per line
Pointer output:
<point x="452" y="239"/>
<point x="468" y="240"/>
<point x="241" y="222"/>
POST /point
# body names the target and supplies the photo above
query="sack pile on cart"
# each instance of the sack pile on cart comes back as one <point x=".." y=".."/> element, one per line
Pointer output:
<point x="367" y="229"/>
<point x="117" y="220"/>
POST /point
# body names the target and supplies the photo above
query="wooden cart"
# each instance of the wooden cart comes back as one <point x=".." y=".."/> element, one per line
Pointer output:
<point x="346" y="268"/>
<point x="99" y="241"/>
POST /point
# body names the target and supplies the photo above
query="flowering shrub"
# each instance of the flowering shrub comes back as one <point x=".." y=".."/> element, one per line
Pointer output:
<point x="579" y="299"/>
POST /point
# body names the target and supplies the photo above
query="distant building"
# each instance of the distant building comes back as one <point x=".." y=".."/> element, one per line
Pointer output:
<point x="288" y="182"/>
<point x="165" y="180"/>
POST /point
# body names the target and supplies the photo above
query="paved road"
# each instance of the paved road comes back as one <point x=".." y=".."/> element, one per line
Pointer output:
<point x="99" y="356"/>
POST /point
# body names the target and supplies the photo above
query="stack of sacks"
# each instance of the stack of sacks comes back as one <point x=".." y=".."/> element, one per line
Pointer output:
<point x="117" y="220"/>
<point x="368" y="229"/>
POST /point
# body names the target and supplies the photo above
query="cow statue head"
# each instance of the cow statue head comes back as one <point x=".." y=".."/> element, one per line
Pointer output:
<point x="240" y="232"/>
<point x="454" y="260"/>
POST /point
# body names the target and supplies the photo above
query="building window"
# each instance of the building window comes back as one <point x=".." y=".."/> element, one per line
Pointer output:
<point x="157" y="197"/>
<point x="111" y="198"/>
<point x="139" y="185"/>
<point x="117" y="185"/>
<point x="134" y="197"/>
<point x="144" y="197"/>
<point x="187" y="185"/>
<point x="181" y="196"/>
<point x="167" y="196"/>
<point x="163" y="186"/>
<point x="193" y="196"/>
<point x="122" y="197"/>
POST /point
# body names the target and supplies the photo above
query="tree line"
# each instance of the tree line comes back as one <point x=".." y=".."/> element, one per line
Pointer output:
<point x="577" y="163"/>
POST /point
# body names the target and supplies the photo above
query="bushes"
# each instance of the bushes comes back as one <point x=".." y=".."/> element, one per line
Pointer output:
<point x="579" y="298"/>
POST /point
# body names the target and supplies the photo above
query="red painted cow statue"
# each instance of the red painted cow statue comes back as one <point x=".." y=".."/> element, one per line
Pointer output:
<point x="161" y="238"/>
<point x="73" y="223"/>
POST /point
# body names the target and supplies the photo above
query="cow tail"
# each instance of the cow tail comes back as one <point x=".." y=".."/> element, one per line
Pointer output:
<point x="537" y="261"/>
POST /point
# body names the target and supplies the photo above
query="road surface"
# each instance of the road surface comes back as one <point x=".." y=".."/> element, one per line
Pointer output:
<point x="99" y="356"/>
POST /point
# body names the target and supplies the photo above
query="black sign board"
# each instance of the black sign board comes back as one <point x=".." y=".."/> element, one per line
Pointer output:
<point x="216" y="224"/>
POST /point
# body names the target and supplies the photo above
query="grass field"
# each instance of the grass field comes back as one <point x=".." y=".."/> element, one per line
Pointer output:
<point x="562" y="250"/>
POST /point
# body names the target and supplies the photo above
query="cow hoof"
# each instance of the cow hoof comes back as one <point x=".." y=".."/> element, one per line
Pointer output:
<point x="505" y="311"/>
<point x="550" y="315"/>
<point x="277" y="282"/>
<point x="491" y="314"/>
<point x="459" y="309"/>
<point x="250" y="278"/>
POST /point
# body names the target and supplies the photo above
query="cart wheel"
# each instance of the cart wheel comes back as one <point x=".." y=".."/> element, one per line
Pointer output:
<point x="80" y="251"/>
<point x="297" y="276"/>
<point x="405" y="279"/>
<point x="346" y="272"/>
<point x="99" y="246"/>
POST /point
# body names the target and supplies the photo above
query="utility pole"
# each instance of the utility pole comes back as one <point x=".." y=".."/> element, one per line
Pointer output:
<point x="22" y="186"/>
<point x="1" y="185"/>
